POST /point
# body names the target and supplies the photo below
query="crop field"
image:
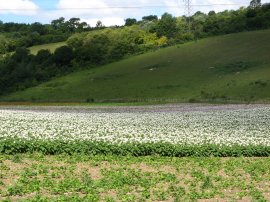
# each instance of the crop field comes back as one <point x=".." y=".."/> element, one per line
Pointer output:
<point x="131" y="153"/>
<point x="36" y="177"/>
<point x="167" y="130"/>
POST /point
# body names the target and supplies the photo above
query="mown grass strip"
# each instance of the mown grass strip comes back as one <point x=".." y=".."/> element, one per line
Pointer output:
<point x="17" y="146"/>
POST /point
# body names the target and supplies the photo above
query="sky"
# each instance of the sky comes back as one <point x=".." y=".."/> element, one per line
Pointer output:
<point x="110" y="12"/>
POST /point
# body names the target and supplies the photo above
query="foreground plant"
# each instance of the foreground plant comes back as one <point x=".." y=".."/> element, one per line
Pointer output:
<point x="37" y="177"/>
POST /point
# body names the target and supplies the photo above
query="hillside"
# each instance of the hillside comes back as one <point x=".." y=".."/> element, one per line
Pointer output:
<point x="233" y="67"/>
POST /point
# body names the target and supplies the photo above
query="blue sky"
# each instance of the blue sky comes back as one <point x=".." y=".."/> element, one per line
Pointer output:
<point x="44" y="11"/>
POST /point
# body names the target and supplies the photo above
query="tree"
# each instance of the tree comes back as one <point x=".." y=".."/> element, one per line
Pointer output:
<point x="73" y="24"/>
<point x="42" y="56"/>
<point x="266" y="7"/>
<point x="94" y="50"/>
<point x="59" y="24"/>
<point x="32" y="39"/>
<point x="150" y="18"/>
<point x="63" y="55"/>
<point x="166" y="26"/>
<point x="255" y="4"/>
<point x="99" y="24"/>
<point x="82" y="26"/>
<point x="38" y="27"/>
<point x="1" y="25"/>
<point x="21" y="54"/>
<point x="120" y="49"/>
<point x="130" y="21"/>
<point x="211" y="13"/>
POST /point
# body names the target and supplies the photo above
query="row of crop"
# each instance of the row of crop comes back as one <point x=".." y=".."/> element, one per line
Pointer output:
<point x="15" y="146"/>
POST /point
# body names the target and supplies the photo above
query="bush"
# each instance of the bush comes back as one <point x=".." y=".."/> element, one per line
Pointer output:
<point x="63" y="55"/>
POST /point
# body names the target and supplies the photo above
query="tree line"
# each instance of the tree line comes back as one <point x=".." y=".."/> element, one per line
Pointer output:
<point x="199" y="25"/>
<point x="14" y="35"/>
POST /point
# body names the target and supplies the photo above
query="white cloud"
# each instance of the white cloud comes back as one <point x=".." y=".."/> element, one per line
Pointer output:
<point x="110" y="16"/>
<point x="18" y="7"/>
<point x="91" y="11"/>
<point x="175" y="7"/>
<point x="217" y="6"/>
<point x="82" y="5"/>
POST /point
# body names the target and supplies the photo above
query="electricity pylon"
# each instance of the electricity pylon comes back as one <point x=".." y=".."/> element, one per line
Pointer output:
<point x="188" y="12"/>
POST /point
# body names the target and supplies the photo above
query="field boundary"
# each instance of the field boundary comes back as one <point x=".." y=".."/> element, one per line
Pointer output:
<point x="55" y="147"/>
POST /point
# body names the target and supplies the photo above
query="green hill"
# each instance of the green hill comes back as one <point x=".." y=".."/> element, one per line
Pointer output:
<point x="233" y="67"/>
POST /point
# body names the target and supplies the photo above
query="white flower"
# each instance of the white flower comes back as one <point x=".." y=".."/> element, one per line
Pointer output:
<point x="246" y="126"/>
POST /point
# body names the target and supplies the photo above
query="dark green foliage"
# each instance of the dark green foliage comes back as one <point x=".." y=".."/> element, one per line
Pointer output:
<point x="74" y="23"/>
<point x="42" y="56"/>
<point x="259" y="83"/>
<point x="266" y="7"/>
<point x="130" y="21"/>
<point x="63" y="56"/>
<point x="21" y="55"/>
<point x="166" y="26"/>
<point x="95" y="50"/>
<point x="120" y="49"/>
<point x="150" y="18"/>
<point x="22" y="70"/>
<point x="16" y="146"/>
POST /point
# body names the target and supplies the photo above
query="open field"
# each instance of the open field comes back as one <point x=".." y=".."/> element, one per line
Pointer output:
<point x="34" y="49"/>
<point x="230" y="68"/>
<point x="167" y="130"/>
<point x="51" y="47"/>
<point x="113" y="178"/>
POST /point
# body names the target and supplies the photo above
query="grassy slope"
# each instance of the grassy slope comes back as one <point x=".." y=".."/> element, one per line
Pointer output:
<point x="180" y="72"/>
<point x="52" y="47"/>
<point x="37" y="177"/>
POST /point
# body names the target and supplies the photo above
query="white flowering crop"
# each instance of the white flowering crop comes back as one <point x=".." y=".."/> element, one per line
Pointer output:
<point x="243" y="126"/>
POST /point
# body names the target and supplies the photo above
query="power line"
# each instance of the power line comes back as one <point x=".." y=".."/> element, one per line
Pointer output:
<point x="124" y="7"/>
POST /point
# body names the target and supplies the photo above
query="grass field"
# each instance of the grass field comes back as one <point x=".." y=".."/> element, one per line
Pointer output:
<point x="230" y="68"/>
<point x="37" y="177"/>
<point x="51" y="47"/>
